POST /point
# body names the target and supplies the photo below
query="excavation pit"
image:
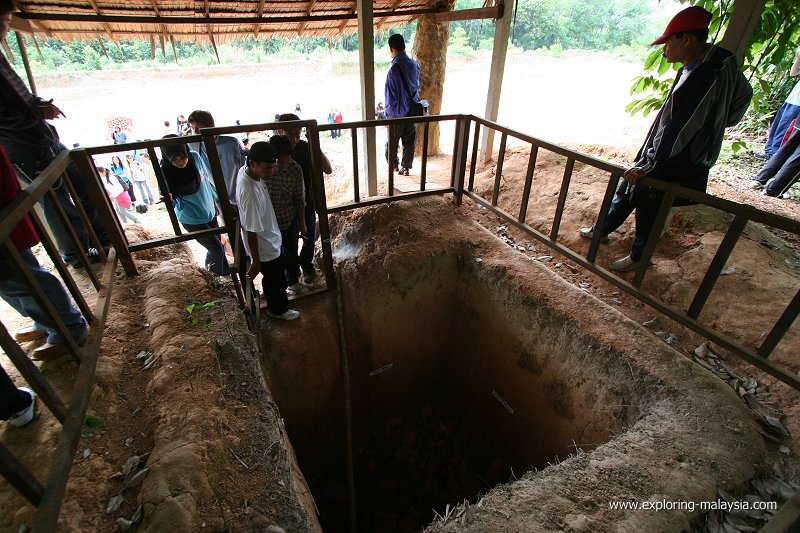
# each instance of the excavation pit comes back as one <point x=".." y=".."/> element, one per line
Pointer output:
<point x="470" y="370"/>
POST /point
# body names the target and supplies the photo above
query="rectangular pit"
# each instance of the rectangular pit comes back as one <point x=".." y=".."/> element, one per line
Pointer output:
<point x="458" y="382"/>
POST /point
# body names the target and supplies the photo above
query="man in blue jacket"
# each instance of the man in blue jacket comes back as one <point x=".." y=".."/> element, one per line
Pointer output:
<point x="402" y="89"/>
<point x="709" y="94"/>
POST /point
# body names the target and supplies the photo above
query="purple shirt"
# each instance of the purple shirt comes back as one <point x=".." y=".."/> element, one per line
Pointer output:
<point x="397" y="91"/>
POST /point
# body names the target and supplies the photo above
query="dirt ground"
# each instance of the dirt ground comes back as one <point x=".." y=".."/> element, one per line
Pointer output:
<point x="209" y="432"/>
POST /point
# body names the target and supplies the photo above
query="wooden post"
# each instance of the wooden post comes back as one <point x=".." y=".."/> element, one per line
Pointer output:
<point x="366" y="58"/>
<point x="744" y="19"/>
<point x="501" y="33"/>
<point x="23" y="51"/>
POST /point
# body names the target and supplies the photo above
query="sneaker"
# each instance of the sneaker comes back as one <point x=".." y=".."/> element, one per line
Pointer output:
<point x="29" y="334"/>
<point x="25" y="416"/>
<point x="624" y="264"/>
<point x="587" y="233"/>
<point x="296" y="288"/>
<point x="290" y="314"/>
<point x="763" y="157"/>
<point x="755" y="184"/>
<point x="403" y="171"/>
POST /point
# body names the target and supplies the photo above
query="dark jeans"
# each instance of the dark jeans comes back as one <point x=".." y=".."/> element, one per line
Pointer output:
<point x="786" y="114"/>
<point x="784" y="166"/>
<point x="31" y="161"/>
<point x="216" y="262"/>
<point x="274" y="285"/>
<point x="12" y="400"/>
<point x="642" y="199"/>
<point x="408" y="134"/>
<point x="309" y="242"/>
<point x="289" y="238"/>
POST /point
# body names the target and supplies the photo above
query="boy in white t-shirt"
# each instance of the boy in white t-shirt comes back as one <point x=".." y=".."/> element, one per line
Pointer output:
<point x="260" y="231"/>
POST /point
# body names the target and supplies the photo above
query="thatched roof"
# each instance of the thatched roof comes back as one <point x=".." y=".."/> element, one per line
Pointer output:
<point x="162" y="21"/>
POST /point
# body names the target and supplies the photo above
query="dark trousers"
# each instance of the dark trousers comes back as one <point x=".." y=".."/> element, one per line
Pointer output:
<point x="786" y="114"/>
<point x="12" y="400"/>
<point x="216" y="262"/>
<point x="642" y="199"/>
<point x="407" y="133"/>
<point x="784" y="166"/>
<point x="274" y="285"/>
<point x="29" y="162"/>
<point x="306" y="258"/>
<point x="289" y="238"/>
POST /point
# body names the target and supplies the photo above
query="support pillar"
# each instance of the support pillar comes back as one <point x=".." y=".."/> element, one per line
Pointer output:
<point x="501" y="33"/>
<point x="23" y="51"/>
<point x="366" y="59"/>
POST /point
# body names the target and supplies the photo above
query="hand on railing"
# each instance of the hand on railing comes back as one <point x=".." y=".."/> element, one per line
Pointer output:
<point x="633" y="175"/>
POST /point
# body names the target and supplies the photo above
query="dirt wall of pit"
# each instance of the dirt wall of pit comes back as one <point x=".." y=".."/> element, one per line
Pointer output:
<point x="681" y="432"/>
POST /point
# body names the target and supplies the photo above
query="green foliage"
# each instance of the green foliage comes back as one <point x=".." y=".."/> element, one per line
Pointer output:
<point x="766" y="63"/>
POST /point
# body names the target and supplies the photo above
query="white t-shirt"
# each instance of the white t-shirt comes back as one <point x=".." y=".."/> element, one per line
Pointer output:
<point x="794" y="96"/>
<point x="257" y="216"/>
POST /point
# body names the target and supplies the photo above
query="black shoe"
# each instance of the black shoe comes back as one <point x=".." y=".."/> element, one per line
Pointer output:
<point x="763" y="157"/>
<point x="403" y="171"/>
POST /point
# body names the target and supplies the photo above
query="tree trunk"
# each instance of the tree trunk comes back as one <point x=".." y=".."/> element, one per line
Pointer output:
<point x="430" y="51"/>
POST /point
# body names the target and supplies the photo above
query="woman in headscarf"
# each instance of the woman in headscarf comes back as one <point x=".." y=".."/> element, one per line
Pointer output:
<point x="194" y="198"/>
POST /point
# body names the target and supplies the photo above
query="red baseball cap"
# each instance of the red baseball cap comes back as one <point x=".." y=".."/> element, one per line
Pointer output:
<point x="691" y="18"/>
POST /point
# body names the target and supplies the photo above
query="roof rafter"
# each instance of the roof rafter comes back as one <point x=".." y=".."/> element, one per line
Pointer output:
<point x="97" y="10"/>
<point x="308" y="14"/>
<point x="383" y="20"/>
<point x="260" y="13"/>
<point x="164" y="33"/>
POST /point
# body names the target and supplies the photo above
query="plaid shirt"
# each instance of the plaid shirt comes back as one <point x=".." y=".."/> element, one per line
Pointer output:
<point x="287" y="192"/>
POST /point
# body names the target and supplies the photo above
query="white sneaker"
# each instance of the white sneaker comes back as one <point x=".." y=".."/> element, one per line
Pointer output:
<point x="290" y="314"/>
<point x="755" y="184"/>
<point x="624" y="264"/>
<point x="26" y="415"/>
<point x="297" y="288"/>
<point x="587" y="233"/>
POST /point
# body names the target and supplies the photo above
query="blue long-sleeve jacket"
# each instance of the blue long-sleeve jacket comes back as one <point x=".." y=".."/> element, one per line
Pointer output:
<point x="396" y="95"/>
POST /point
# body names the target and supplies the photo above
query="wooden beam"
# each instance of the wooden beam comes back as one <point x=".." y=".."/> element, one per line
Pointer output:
<point x="217" y="21"/>
<point x="9" y="53"/>
<point x="308" y="13"/>
<point x="96" y="8"/>
<point x="494" y="12"/>
<point x="102" y="46"/>
<point x="345" y="21"/>
<point x="21" y="15"/>
<point x="174" y="51"/>
<point x="260" y="12"/>
<point x="384" y="19"/>
<point x="23" y="51"/>
<point x="501" y="33"/>
<point x="39" y="50"/>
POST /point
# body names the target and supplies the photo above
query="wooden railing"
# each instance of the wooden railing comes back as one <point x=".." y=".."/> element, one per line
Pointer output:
<point x="47" y="495"/>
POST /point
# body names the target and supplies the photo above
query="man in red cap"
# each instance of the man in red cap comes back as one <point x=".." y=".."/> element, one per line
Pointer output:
<point x="709" y="94"/>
